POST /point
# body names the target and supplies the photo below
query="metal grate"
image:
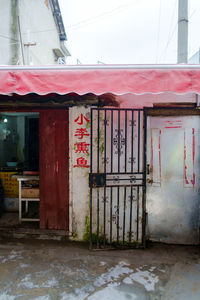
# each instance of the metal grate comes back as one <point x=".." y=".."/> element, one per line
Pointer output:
<point x="117" y="177"/>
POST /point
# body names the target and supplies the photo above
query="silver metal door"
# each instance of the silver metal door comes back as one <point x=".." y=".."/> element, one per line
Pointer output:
<point x="173" y="179"/>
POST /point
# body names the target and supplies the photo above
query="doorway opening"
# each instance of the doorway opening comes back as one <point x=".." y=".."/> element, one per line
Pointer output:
<point x="19" y="155"/>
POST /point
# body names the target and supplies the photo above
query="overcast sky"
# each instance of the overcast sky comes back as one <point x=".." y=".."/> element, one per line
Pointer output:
<point x="126" y="31"/>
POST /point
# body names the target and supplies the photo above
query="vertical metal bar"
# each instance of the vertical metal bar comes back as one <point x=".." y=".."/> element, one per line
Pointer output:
<point x="139" y="141"/>
<point x="91" y="137"/>
<point x="111" y="159"/>
<point x="132" y="139"/>
<point x="125" y="157"/>
<point x="90" y="218"/>
<point x="111" y="215"/>
<point x="91" y="157"/>
<point x="98" y="136"/>
<point x="104" y="225"/>
<point x="124" y="216"/>
<point x="20" y="201"/>
<point x="111" y="170"/>
<point x="98" y="140"/>
<point x="144" y="182"/>
<point x="138" y="195"/>
<point x="132" y="161"/>
<point x="105" y="137"/>
<point x="131" y="207"/>
<point x="97" y="217"/>
<point x="118" y="214"/>
<point x="119" y="149"/>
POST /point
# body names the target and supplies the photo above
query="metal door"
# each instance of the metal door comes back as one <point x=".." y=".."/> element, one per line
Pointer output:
<point x="54" y="170"/>
<point x="117" y="177"/>
<point x="173" y="165"/>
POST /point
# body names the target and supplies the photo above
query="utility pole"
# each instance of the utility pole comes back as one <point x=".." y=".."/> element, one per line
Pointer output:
<point x="182" y="56"/>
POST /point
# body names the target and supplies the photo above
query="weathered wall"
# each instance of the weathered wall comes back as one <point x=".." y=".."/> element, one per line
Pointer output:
<point x="38" y="26"/>
<point x="79" y="188"/>
<point x="148" y="100"/>
<point x="5" y="33"/>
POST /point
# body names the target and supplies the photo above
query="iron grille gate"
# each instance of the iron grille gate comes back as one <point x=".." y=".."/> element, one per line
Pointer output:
<point x="117" y="177"/>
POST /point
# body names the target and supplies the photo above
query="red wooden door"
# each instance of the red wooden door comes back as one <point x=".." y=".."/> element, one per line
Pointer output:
<point x="54" y="169"/>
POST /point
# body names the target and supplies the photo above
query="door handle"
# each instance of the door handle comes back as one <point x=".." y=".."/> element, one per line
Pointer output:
<point x="148" y="169"/>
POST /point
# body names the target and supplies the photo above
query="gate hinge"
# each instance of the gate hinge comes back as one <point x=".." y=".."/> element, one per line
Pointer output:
<point x="97" y="180"/>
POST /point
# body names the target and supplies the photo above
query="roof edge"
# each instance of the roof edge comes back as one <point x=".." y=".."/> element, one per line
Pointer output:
<point x="99" y="67"/>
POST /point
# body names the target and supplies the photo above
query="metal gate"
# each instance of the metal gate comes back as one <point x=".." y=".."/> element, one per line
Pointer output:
<point x="117" y="177"/>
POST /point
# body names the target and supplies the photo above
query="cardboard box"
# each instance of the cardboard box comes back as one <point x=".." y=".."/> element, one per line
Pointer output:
<point x="30" y="193"/>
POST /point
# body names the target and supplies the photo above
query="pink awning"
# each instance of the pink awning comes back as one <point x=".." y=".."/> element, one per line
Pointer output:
<point x="116" y="79"/>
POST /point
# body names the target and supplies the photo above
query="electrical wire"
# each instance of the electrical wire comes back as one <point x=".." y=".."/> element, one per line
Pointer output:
<point x="163" y="54"/>
<point x="194" y="12"/>
<point x="158" y="34"/>
<point x="98" y="17"/>
<point x="168" y="42"/>
<point x="40" y="31"/>
<point x="190" y="18"/>
<point x="9" y="38"/>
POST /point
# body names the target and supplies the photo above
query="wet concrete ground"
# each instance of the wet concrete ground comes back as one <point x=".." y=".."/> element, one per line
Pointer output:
<point x="46" y="270"/>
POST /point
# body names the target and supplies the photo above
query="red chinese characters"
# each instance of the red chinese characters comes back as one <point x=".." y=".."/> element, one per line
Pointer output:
<point x="81" y="147"/>
<point x="81" y="162"/>
<point x="81" y="132"/>
<point x="79" y="119"/>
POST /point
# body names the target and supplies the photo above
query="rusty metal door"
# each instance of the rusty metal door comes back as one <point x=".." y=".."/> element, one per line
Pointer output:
<point x="173" y="179"/>
<point x="54" y="169"/>
<point x="117" y="177"/>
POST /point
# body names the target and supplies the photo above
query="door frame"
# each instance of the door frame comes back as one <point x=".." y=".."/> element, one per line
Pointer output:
<point x="98" y="180"/>
<point x="38" y="109"/>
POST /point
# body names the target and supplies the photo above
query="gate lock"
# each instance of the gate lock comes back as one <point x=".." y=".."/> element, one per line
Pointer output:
<point x="97" y="180"/>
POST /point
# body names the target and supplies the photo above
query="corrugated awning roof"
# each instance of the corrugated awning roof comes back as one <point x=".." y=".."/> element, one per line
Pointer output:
<point x="116" y="79"/>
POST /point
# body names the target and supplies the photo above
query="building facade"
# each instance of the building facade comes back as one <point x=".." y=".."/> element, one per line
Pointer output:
<point x="32" y="33"/>
<point x="119" y="159"/>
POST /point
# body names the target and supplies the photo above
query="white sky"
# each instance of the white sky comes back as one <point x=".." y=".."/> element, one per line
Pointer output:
<point x="126" y="31"/>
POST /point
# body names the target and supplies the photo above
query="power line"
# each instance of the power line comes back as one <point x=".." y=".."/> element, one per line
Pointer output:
<point x="9" y="38"/>
<point x="168" y="42"/>
<point x="98" y="17"/>
<point x="157" y="47"/>
<point x="40" y="31"/>
<point x="172" y="18"/>
<point x="170" y="35"/>
<point x="194" y="12"/>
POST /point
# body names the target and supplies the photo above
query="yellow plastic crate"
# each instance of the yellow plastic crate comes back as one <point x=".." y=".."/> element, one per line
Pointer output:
<point x="10" y="185"/>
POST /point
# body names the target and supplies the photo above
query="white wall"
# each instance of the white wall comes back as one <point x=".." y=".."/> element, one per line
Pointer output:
<point x="5" y="35"/>
<point x="79" y="187"/>
<point x="37" y="26"/>
<point x="37" y="19"/>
